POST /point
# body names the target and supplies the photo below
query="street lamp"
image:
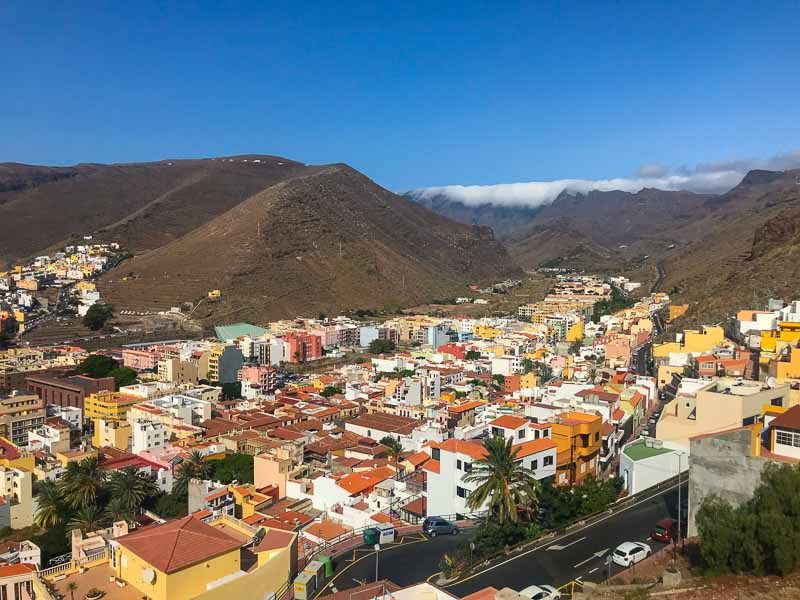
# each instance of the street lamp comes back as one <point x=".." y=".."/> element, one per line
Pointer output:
<point x="377" y="552"/>
<point x="471" y="549"/>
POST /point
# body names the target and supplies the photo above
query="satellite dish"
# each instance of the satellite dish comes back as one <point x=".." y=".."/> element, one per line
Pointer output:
<point x="771" y="382"/>
<point x="148" y="575"/>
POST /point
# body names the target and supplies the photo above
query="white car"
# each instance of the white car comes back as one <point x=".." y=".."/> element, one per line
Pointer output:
<point x="630" y="553"/>
<point x="541" y="592"/>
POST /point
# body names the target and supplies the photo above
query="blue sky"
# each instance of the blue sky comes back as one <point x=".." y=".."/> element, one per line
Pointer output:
<point x="412" y="94"/>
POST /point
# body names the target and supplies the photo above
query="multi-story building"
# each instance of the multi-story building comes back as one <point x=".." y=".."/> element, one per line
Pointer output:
<point x="579" y="439"/>
<point x="15" y="488"/>
<point x="69" y="391"/>
<point x="303" y="347"/>
<point x="262" y="375"/>
<point x="20" y="414"/>
<point x="113" y="406"/>
<point x="148" y="436"/>
<point x="224" y="362"/>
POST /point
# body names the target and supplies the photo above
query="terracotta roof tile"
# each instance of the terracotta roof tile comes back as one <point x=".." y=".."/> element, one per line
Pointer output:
<point x="509" y="422"/>
<point x="178" y="544"/>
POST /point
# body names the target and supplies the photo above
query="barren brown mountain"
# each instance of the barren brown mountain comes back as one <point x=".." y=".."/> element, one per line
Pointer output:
<point x="141" y="205"/>
<point x="323" y="241"/>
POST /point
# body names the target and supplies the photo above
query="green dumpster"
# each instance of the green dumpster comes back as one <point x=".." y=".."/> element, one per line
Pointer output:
<point x="371" y="536"/>
<point x="327" y="563"/>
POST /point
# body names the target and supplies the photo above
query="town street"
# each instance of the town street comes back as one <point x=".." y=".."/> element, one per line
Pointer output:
<point x="579" y="554"/>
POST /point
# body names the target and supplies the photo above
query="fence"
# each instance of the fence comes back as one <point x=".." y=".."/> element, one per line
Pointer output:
<point x="72" y="566"/>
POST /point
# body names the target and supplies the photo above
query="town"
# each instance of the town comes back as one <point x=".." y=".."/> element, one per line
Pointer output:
<point x="203" y="468"/>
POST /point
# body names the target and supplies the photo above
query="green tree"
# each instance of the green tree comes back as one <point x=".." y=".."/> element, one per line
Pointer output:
<point x="500" y="380"/>
<point x="117" y="510"/>
<point x="171" y="506"/>
<point x="502" y="482"/>
<point x="98" y="365"/>
<point x="50" y="505"/>
<point x="71" y="587"/>
<point x="234" y="467"/>
<point x="380" y="346"/>
<point x="123" y="376"/>
<point x="97" y="315"/>
<point x="330" y="390"/>
<point x="232" y="391"/>
<point x="394" y="447"/>
<point x="528" y="365"/>
<point x="83" y="485"/>
<point x="194" y="467"/>
<point x="88" y="518"/>
<point x="130" y="487"/>
<point x="472" y="355"/>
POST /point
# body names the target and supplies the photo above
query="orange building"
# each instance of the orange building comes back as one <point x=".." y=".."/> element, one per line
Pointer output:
<point x="579" y="439"/>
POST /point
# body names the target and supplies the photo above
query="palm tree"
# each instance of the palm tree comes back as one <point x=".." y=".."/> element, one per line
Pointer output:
<point x="72" y="586"/>
<point x="193" y="467"/>
<point x="81" y="484"/>
<point x="118" y="510"/>
<point x="129" y="488"/>
<point x="395" y="449"/>
<point x="502" y="482"/>
<point x="87" y="519"/>
<point x="50" y="508"/>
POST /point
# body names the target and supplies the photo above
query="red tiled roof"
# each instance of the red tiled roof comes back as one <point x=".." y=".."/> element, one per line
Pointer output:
<point x="465" y="406"/>
<point x="178" y="544"/>
<point x="473" y="449"/>
<point x="433" y="466"/>
<point x="790" y="419"/>
<point x="533" y="446"/>
<point x="17" y="569"/>
<point x="509" y="422"/>
<point x="418" y="458"/>
<point x="356" y="483"/>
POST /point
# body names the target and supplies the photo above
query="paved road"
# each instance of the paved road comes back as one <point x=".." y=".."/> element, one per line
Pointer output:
<point x="578" y="554"/>
<point x="412" y="559"/>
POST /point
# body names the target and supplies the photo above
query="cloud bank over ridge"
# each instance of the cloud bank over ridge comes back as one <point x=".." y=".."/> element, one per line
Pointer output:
<point x="712" y="177"/>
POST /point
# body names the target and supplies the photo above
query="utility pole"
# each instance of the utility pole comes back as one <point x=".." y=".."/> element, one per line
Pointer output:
<point x="377" y="553"/>
<point x="680" y="506"/>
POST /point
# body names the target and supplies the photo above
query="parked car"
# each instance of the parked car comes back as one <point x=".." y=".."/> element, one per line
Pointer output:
<point x="541" y="592"/>
<point x="630" y="553"/>
<point x="434" y="526"/>
<point x="665" y="531"/>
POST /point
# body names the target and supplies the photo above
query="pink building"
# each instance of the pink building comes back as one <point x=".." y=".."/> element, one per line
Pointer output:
<point x="303" y="347"/>
<point x="263" y="375"/>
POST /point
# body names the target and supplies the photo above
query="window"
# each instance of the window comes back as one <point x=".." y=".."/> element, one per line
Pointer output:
<point x="435" y="453"/>
<point x="467" y="467"/>
<point x="536" y="434"/>
<point x="548" y="461"/>
<point x="596" y="437"/>
<point x="521" y="433"/>
<point x="458" y="464"/>
<point x="787" y="438"/>
<point x="461" y="492"/>
<point x="546" y="433"/>
<point x="583" y="467"/>
<point x="535" y="464"/>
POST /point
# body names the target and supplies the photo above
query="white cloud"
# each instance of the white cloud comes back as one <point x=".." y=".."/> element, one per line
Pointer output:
<point x="713" y="177"/>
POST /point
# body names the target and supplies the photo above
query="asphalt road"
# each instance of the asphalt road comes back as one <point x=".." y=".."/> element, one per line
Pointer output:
<point x="579" y="554"/>
<point x="412" y="559"/>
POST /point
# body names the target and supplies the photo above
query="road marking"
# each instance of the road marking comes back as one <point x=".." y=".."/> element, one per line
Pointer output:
<point x="593" y="570"/>
<point x="598" y="554"/>
<point x="592" y="524"/>
<point x="572" y="543"/>
<point x="358" y="560"/>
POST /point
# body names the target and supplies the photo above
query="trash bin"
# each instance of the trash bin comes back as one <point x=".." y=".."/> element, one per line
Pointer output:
<point x="316" y="569"/>
<point x="304" y="586"/>
<point x="327" y="563"/>
<point x="371" y="536"/>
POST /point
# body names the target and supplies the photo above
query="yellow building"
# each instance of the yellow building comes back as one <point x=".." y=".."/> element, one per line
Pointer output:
<point x="786" y="367"/>
<point x="703" y="339"/>
<point x="788" y="333"/>
<point x="189" y="559"/>
<point x="19" y="317"/>
<point x="112" y="406"/>
<point x="114" y="433"/>
<point x="486" y="332"/>
<point x="74" y="456"/>
<point x="578" y="437"/>
<point x="676" y="311"/>
<point x="13" y="458"/>
<point x="576" y="332"/>
<point x="248" y="500"/>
